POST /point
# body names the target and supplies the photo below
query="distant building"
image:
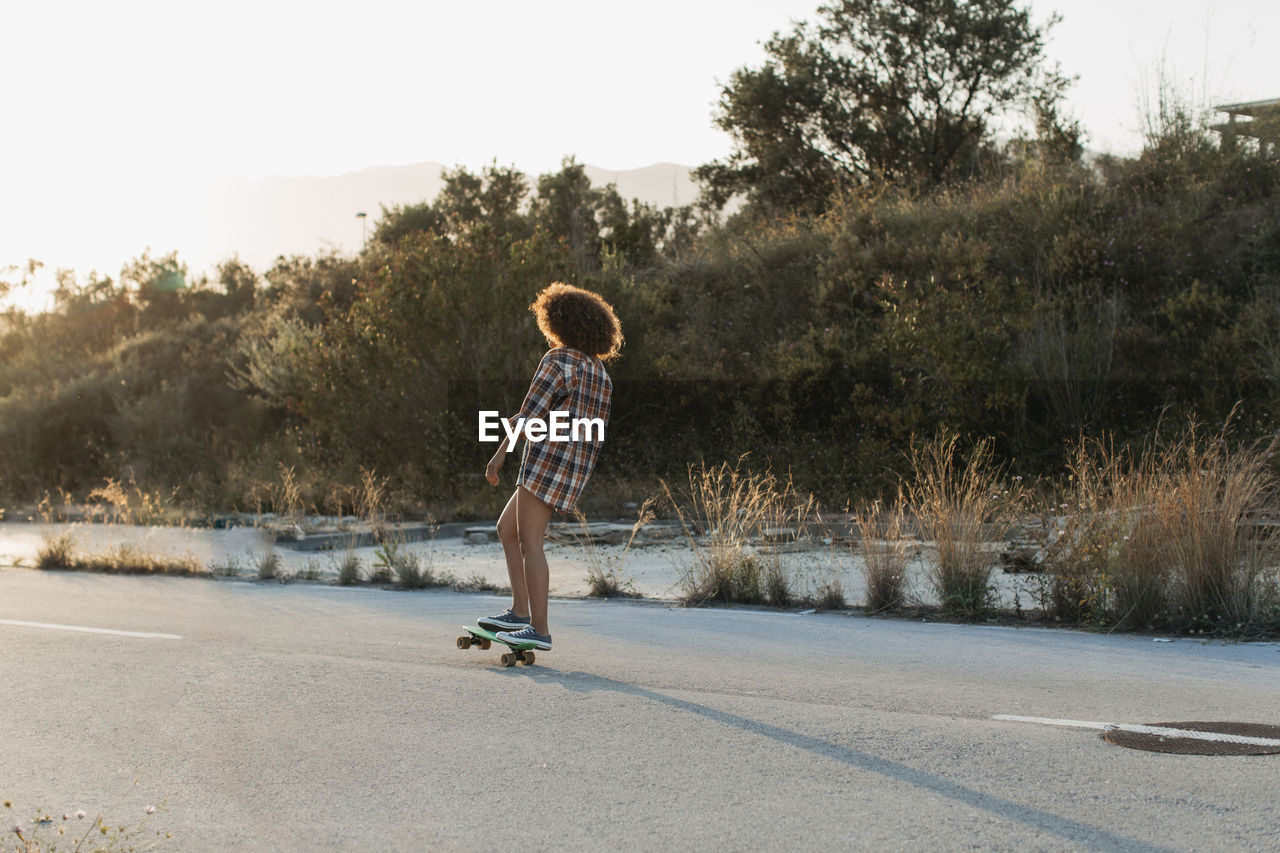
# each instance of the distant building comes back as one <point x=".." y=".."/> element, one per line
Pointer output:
<point x="1258" y="120"/>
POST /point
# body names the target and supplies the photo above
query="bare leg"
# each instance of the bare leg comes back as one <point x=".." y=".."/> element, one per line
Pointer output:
<point x="509" y="536"/>
<point x="532" y="516"/>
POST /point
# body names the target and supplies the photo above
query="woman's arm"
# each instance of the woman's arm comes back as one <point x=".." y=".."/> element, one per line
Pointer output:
<point x="547" y="386"/>
<point x="495" y="464"/>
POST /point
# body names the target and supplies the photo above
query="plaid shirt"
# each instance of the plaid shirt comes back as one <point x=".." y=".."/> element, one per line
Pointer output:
<point x="571" y="381"/>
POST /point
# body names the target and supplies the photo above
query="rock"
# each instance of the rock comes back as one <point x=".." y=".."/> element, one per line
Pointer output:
<point x="479" y="535"/>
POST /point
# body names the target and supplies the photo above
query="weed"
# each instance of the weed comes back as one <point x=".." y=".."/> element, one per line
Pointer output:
<point x="1082" y="532"/>
<point x="371" y="502"/>
<point x="228" y="567"/>
<point x="130" y="504"/>
<point x="57" y="552"/>
<point x="122" y="560"/>
<point x="604" y="572"/>
<point x="268" y="563"/>
<point x="885" y="552"/>
<point x="476" y="582"/>
<point x="47" y="512"/>
<point x="1177" y="536"/>
<point x="777" y="586"/>
<point x="1208" y="510"/>
<point x="41" y="832"/>
<point x="722" y="512"/>
<point x="349" y="569"/>
<point x="410" y="572"/>
<point x="964" y="508"/>
<point x="830" y="595"/>
<point x="410" y="569"/>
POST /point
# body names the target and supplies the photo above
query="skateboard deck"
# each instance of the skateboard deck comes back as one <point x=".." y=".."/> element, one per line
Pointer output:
<point x="481" y="639"/>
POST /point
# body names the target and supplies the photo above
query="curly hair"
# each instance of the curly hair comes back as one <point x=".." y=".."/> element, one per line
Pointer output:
<point x="569" y="316"/>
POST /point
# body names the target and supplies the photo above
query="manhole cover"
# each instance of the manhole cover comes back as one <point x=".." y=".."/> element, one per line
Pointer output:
<point x="1198" y="738"/>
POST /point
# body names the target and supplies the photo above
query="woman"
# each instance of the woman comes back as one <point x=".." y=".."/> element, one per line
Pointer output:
<point x="583" y="333"/>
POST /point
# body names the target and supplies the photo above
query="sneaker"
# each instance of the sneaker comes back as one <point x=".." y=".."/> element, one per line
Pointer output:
<point x="526" y="635"/>
<point x="508" y="621"/>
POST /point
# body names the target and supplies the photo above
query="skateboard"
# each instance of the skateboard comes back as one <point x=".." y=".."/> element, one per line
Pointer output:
<point x="479" y="637"/>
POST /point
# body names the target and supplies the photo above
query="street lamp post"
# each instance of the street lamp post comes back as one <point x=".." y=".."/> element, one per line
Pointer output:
<point x="364" y="227"/>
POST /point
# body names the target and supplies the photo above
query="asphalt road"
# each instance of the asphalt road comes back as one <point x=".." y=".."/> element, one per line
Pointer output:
<point x="311" y="718"/>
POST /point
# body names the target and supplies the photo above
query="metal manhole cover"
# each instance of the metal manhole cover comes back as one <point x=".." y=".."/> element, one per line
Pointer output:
<point x="1198" y="738"/>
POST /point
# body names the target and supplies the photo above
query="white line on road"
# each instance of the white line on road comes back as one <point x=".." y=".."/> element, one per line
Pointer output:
<point x="138" y="634"/>
<point x="1159" y="731"/>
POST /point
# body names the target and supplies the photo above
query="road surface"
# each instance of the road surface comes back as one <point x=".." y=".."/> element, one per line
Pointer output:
<point x="305" y="717"/>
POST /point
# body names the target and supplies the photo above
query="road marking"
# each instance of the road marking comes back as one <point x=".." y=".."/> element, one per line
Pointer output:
<point x="1159" y="731"/>
<point x="138" y="634"/>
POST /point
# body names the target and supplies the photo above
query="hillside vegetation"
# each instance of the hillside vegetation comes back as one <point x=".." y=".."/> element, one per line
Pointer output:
<point x="1031" y="305"/>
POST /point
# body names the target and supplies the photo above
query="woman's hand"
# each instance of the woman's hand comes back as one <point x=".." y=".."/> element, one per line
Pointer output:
<point x="495" y="464"/>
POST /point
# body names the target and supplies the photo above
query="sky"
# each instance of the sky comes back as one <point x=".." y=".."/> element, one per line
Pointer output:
<point x="119" y="118"/>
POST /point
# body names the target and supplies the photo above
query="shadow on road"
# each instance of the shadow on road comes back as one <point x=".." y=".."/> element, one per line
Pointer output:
<point x="1071" y="830"/>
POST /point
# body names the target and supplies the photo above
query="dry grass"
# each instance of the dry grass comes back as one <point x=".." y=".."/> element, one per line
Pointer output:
<point x="777" y="585"/>
<point x="408" y="567"/>
<point x="604" y="572"/>
<point x="1219" y="558"/>
<point x="39" y="831"/>
<point x="1171" y="538"/>
<point x="965" y="507"/>
<point x="349" y="573"/>
<point x="370" y="500"/>
<point x="476" y="582"/>
<point x="59" y="553"/>
<point x="723" y="512"/>
<point x="1084" y="530"/>
<point x="885" y="552"/>
<point x="830" y="595"/>
<point x="268" y="563"/>
<point x="129" y="503"/>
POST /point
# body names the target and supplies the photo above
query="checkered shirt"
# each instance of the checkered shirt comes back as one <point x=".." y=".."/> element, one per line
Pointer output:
<point x="566" y="380"/>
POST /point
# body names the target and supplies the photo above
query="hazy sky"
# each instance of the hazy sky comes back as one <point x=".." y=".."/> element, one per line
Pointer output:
<point x="118" y="115"/>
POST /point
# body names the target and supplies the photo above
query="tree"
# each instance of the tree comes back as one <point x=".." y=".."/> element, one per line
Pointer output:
<point x="494" y="198"/>
<point x="566" y="207"/>
<point x="895" y="90"/>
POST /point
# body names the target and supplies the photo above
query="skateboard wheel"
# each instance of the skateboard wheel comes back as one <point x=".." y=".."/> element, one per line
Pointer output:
<point x="529" y="658"/>
<point x="508" y="660"/>
<point x="485" y="644"/>
<point x="464" y="642"/>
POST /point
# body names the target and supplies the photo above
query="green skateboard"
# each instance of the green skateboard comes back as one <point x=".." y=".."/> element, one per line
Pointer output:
<point x="482" y="639"/>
